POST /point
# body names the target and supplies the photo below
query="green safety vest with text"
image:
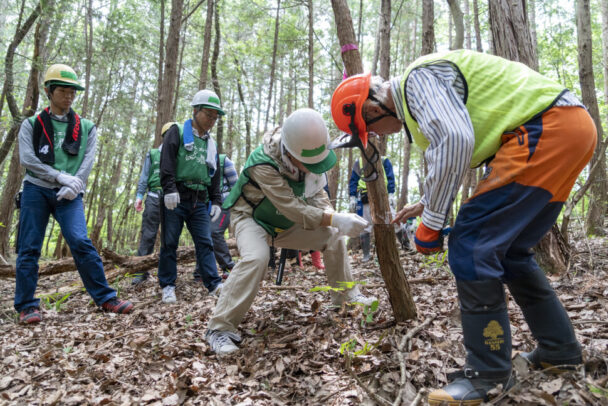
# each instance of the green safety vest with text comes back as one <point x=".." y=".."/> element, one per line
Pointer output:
<point x="154" y="174"/>
<point x="192" y="168"/>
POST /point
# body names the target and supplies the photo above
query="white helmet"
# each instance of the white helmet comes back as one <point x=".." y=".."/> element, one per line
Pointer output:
<point x="305" y="137"/>
<point x="207" y="99"/>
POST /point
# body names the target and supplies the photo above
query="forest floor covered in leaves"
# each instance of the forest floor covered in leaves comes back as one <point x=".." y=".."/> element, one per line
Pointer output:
<point x="291" y="348"/>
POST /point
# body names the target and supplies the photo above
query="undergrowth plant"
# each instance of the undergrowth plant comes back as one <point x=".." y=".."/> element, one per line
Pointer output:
<point x="54" y="301"/>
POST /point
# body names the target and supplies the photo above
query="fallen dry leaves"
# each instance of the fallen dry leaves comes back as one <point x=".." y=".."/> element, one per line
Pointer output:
<point x="291" y="344"/>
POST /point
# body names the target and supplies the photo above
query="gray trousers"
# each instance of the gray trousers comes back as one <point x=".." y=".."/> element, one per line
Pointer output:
<point x="150" y="220"/>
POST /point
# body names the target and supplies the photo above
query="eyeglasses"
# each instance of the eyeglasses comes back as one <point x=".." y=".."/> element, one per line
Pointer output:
<point x="212" y="114"/>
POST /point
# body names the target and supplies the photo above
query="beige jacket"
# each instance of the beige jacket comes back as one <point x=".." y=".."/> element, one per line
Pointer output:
<point x="274" y="186"/>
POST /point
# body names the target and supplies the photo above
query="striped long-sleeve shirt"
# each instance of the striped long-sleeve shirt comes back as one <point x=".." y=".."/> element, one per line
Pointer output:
<point x="230" y="178"/>
<point x="435" y="96"/>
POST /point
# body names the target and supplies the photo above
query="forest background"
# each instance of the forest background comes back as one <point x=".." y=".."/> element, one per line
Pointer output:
<point x="141" y="63"/>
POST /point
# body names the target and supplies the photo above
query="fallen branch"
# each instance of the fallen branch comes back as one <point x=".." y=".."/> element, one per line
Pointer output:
<point x="376" y="398"/>
<point x="406" y="341"/>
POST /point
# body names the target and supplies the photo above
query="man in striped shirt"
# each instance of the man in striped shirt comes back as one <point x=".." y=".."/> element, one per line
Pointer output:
<point x="464" y="109"/>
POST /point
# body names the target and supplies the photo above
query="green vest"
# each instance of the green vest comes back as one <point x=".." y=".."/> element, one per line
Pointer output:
<point x="264" y="213"/>
<point x="192" y="168"/>
<point x="500" y="95"/>
<point x="65" y="162"/>
<point x="154" y="174"/>
<point x="362" y="185"/>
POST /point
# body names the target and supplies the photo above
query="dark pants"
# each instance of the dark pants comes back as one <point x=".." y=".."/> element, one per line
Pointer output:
<point x="220" y="248"/>
<point x="37" y="204"/>
<point x="196" y="217"/>
<point x="150" y="221"/>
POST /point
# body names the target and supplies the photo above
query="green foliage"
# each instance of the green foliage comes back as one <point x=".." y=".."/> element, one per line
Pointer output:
<point x="598" y="390"/>
<point x="437" y="260"/>
<point x="54" y="301"/>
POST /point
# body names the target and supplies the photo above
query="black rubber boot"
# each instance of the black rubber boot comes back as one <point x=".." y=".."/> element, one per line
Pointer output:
<point x="365" y="246"/>
<point x="548" y="322"/>
<point x="487" y="340"/>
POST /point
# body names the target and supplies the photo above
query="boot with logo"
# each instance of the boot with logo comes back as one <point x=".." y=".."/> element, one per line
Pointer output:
<point x="487" y="340"/>
<point x="558" y="349"/>
<point x="365" y="247"/>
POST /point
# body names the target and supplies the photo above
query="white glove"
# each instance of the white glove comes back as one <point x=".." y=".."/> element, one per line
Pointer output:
<point x="392" y="201"/>
<point x="215" y="213"/>
<point x="67" y="193"/>
<point x="353" y="204"/>
<point x="171" y="200"/>
<point x="348" y="223"/>
<point x="73" y="182"/>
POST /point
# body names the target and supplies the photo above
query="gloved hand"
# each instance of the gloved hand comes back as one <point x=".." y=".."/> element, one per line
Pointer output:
<point x="138" y="205"/>
<point x="73" y="182"/>
<point x="171" y="200"/>
<point x="392" y="201"/>
<point x="348" y="223"/>
<point x="428" y="241"/>
<point x="67" y="193"/>
<point x="352" y="204"/>
<point x="215" y="212"/>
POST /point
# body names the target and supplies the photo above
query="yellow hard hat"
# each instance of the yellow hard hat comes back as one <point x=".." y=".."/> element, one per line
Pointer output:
<point x="61" y="75"/>
<point x="166" y="127"/>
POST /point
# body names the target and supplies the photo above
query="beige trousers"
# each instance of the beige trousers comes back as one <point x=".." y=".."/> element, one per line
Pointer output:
<point x="253" y="242"/>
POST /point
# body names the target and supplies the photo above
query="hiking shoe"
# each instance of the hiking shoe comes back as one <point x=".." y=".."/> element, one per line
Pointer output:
<point x="222" y="342"/>
<point x="139" y="278"/>
<point x="30" y="315"/>
<point x="218" y="289"/>
<point x="555" y="366"/>
<point x="169" y="294"/>
<point x="197" y="277"/>
<point x="116" y="305"/>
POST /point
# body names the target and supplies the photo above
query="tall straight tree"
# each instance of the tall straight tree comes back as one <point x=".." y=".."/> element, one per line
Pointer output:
<point x="214" y="76"/>
<point x="165" y="97"/>
<point x="597" y="201"/>
<point x="457" y="17"/>
<point x="273" y="64"/>
<point x="202" y="83"/>
<point x="397" y="286"/>
<point x="311" y="55"/>
<point x="384" y="52"/>
<point x="428" y="27"/>
<point x="478" y="45"/>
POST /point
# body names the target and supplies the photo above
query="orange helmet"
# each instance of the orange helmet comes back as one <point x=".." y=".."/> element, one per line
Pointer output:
<point x="347" y="102"/>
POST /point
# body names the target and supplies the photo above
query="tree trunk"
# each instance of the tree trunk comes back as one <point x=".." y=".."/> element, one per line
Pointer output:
<point x="397" y="285"/>
<point x="478" y="44"/>
<point x="597" y="197"/>
<point x="273" y="63"/>
<point x="428" y="30"/>
<point x="311" y="56"/>
<point x="384" y="53"/>
<point x="511" y="32"/>
<point x="165" y="97"/>
<point x="467" y="24"/>
<point x="216" y="84"/>
<point x="532" y="15"/>
<point x="407" y="150"/>
<point x="161" y="65"/>
<point x="88" y="38"/>
<point x="202" y="83"/>
<point x="458" y="24"/>
<point x="180" y="67"/>
<point x="245" y="108"/>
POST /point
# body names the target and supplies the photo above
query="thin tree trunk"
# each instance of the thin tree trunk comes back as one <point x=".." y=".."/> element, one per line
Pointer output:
<point x="458" y="25"/>
<point x="273" y="63"/>
<point x="165" y="99"/>
<point x="311" y="56"/>
<point x="467" y="24"/>
<point x="88" y="38"/>
<point x="597" y="196"/>
<point x="428" y="30"/>
<point x="532" y="15"/>
<point x="398" y="288"/>
<point x="202" y="83"/>
<point x="179" y="71"/>
<point x="384" y="53"/>
<point x="161" y="65"/>
<point x="216" y="84"/>
<point x="407" y="150"/>
<point x="478" y="44"/>
<point x="245" y="108"/>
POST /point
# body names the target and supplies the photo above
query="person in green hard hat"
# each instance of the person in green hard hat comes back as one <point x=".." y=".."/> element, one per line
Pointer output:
<point x="149" y="181"/>
<point x="280" y="198"/>
<point x="190" y="179"/>
<point x="57" y="148"/>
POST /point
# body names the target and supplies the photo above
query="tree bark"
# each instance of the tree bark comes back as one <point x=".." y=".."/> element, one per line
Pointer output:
<point x="597" y="197"/>
<point x="202" y="83"/>
<point x="477" y="26"/>
<point x="239" y="85"/>
<point x="384" y="53"/>
<point x="165" y="97"/>
<point x="407" y="150"/>
<point x="428" y="30"/>
<point x="397" y="285"/>
<point x="88" y="38"/>
<point x="467" y="24"/>
<point x="311" y="56"/>
<point x="511" y="32"/>
<point x="216" y="84"/>
<point x="457" y="17"/>
<point x="161" y="65"/>
<point x="273" y="64"/>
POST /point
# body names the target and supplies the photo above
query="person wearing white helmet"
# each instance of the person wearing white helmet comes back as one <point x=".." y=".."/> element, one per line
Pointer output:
<point x="57" y="148"/>
<point x="190" y="180"/>
<point x="279" y="197"/>
<point x="149" y="181"/>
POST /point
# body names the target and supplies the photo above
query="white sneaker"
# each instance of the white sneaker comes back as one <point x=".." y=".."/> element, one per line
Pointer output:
<point x="361" y="298"/>
<point x="169" y="294"/>
<point x="222" y="342"/>
<point x="218" y="289"/>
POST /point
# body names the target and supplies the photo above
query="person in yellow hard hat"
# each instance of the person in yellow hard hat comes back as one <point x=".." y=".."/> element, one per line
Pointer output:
<point x="149" y="181"/>
<point x="57" y="148"/>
